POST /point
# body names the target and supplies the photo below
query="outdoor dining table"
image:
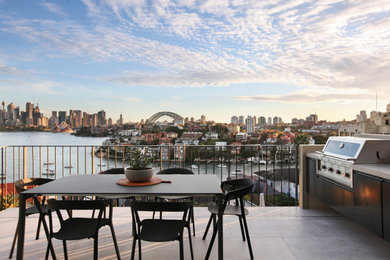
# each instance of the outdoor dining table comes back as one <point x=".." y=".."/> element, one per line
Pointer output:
<point x="106" y="185"/>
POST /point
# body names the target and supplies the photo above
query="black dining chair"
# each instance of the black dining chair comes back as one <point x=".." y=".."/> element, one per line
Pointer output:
<point x="171" y="171"/>
<point x="234" y="190"/>
<point x="160" y="230"/>
<point x="25" y="184"/>
<point x="76" y="228"/>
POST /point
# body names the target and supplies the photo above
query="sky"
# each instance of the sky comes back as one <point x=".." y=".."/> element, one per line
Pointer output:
<point x="217" y="58"/>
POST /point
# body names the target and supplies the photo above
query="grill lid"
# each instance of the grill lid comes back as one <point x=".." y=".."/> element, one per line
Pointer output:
<point x="358" y="149"/>
<point x="344" y="147"/>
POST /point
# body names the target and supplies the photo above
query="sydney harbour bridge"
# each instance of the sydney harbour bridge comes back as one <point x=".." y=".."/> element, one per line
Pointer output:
<point x="156" y="116"/>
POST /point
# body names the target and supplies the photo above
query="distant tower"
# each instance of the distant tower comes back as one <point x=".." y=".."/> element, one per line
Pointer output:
<point x="3" y="105"/>
<point x="234" y="120"/>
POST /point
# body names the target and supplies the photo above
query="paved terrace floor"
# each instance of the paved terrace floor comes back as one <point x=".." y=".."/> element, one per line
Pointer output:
<point x="276" y="233"/>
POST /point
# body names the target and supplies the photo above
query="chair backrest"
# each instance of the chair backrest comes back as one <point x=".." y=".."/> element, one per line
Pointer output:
<point x="28" y="183"/>
<point x="237" y="189"/>
<point x="69" y="205"/>
<point x="176" y="171"/>
<point x="137" y="206"/>
<point x="113" y="171"/>
<point x="77" y="204"/>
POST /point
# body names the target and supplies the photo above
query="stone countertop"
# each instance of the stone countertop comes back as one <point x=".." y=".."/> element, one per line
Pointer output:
<point x="376" y="170"/>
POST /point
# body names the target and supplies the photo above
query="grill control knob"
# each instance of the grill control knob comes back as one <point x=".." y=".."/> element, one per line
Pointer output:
<point x="338" y="172"/>
<point x="330" y="169"/>
<point x="347" y="175"/>
<point x="323" y="167"/>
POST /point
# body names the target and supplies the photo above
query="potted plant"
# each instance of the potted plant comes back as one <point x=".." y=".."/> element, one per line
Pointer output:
<point x="139" y="170"/>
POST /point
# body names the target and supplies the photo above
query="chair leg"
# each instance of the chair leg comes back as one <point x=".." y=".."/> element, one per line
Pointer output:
<point x="39" y="227"/>
<point x="193" y="219"/>
<point x="115" y="242"/>
<point x="65" y="249"/>
<point x="190" y="240"/>
<point x="247" y="236"/>
<point x="211" y="242"/>
<point x="139" y="250"/>
<point x="47" y="250"/>
<point x="181" y="248"/>
<point x="95" y="247"/>
<point x="207" y="227"/>
<point x="13" y="242"/>
<point x="133" y="248"/>
<point x="242" y="228"/>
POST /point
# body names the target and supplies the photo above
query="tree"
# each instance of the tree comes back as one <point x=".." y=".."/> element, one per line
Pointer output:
<point x="320" y="139"/>
<point x="220" y="129"/>
<point x="301" y="139"/>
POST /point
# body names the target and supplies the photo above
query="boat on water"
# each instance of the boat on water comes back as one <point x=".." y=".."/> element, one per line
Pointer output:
<point x="221" y="165"/>
<point x="194" y="166"/>
<point x="101" y="164"/>
<point x="48" y="163"/>
<point x="68" y="166"/>
<point x="49" y="172"/>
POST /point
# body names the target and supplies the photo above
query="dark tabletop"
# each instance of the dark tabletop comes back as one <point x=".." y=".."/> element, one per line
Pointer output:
<point x="106" y="185"/>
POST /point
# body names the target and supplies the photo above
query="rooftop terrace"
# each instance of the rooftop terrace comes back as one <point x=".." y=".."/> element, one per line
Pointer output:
<point x="276" y="233"/>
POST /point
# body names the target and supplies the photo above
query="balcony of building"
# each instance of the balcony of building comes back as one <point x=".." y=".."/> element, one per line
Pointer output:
<point x="285" y="231"/>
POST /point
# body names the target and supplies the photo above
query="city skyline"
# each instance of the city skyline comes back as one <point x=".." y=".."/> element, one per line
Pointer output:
<point x="215" y="58"/>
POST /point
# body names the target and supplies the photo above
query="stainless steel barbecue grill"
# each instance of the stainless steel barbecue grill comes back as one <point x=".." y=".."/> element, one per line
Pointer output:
<point x="341" y="153"/>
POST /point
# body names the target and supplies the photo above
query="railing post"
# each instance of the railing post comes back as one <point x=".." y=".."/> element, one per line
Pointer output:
<point x="93" y="159"/>
<point x="24" y="162"/>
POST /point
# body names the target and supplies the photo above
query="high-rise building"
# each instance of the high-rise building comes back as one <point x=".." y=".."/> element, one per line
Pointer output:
<point x="78" y="118"/>
<point x="234" y="120"/>
<point x="313" y="118"/>
<point x="186" y="120"/>
<point x="262" y="120"/>
<point x="269" y="120"/>
<point x="120" y="120"/>
<point x="250" y="125"/>
<point x="241" y="120"/>
<point x="29" y="110"/>
<point x="255" y="120"/>
<point x="61" y="116"/>
<point x="16" y="114"/>
<point x="280" y="121"/>
<point x="10" y="111"/>
<point x="102" y="118"/>
<point x="36" y="116"/>
<point x="203" y="119"/>
<point x="275" y="120"/>
<point x="86" y="120"/>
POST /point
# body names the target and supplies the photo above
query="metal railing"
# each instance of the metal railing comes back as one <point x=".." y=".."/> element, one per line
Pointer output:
<point x="274" y="168"/>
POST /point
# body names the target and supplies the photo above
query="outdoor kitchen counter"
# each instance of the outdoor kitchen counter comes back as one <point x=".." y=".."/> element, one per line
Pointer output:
<point x="377" y="170"/>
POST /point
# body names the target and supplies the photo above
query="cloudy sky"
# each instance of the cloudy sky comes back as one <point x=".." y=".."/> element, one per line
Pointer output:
<point x="218" y="58"/>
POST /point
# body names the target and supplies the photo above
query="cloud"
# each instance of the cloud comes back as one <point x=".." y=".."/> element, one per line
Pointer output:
<point x="323" y="44"/>
<point x="313" y="97"/>
<point x="53" y="8"/>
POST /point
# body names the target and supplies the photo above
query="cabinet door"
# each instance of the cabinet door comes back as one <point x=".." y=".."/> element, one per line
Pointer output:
<point x="367" y="202"/>
<point x="386" y="210"/>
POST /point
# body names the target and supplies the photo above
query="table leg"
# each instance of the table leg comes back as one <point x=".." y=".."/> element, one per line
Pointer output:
<point x="21" y="225"/>
<point x="220" y="228"/>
